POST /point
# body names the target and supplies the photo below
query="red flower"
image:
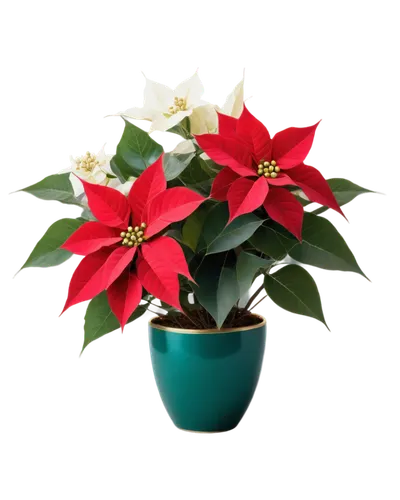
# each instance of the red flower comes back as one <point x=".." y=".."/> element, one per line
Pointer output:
<point x="128" y="228"/>
<point x="257" y="167"/>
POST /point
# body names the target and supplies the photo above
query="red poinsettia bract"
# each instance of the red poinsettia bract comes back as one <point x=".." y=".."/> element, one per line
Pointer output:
<point x="127" y="229"/>
<point x="257" y="168"/>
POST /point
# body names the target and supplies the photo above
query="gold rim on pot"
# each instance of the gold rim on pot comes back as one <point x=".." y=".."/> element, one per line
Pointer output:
<point x="212" y="330"/>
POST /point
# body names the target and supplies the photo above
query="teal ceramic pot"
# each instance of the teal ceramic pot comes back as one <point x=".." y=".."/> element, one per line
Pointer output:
<point x="207" y="378"/>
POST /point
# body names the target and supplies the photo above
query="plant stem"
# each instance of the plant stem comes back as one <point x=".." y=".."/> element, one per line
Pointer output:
<point x="254" y="296"/>
<point x="193" y="321"/>
<point x="260" y="289"/>
<point x="255" y="305"/>
<point x="230" y="323"/>
<point x="201" y="321"/>
<point x="258" y="302"/>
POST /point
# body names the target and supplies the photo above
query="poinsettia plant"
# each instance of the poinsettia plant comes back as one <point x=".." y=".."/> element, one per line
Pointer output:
<point x="185" y="234"/>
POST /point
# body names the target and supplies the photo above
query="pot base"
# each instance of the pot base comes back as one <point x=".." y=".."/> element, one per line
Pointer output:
<point x="203" y="432"/>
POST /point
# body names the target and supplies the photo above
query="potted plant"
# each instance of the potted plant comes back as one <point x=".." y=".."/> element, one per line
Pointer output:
<point x="185" y="234"/>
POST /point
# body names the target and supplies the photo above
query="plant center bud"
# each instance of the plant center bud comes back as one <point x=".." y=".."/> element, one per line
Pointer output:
<point x="133" y="236"/>
<point x="87" y="163"/>
<point x="179" y="105"/>
<point x="268" y="169"/>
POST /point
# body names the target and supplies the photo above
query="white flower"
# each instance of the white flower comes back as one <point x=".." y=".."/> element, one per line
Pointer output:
<point x="125" y="187"/>
<point x="184" y="148"/>
<point x="234" y="102"/>
<point x="204" y="119"/>
<point x="93" y="168"/>
<point x="165" y="107"/>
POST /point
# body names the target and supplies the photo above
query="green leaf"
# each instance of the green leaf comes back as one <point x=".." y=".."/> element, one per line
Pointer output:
<point x="210" y="166"/>
<point x="100" y="320"/>
<point x="247" y="267"/>
<point x="324" y="247"/>
<point x="189" y="254"/>
<point x="182" y="128"/>
<point x="198" y="176"/>
<point x="185" y="285"/>
<point x="47" y="252"/>
<point x="294" y="289"/>
<point x="121" y="169"/>
<point x="135" y="152"/>
<point x="175" y="164"/>
<point x="270" y="242"/>
<point x="193" y="227"/>
<point x="218" y="288"/>
<point x="176" y="234"/>
<point x="203" y="188"/>
<point x="54" y="187"/>
<point x="87" y="214"/>
<point x="219" y="237"/>
<point x="344" y="191"/>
